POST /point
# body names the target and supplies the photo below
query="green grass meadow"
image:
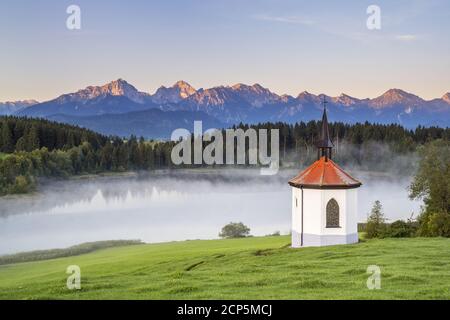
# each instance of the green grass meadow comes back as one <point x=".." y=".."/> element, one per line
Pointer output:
<point x="249" y="268"/>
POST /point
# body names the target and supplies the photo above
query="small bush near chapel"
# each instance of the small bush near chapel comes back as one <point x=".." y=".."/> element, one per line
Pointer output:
<point x="376" y="226"/>
<point x="401" y="229"/>
<point x="234" y="230"/>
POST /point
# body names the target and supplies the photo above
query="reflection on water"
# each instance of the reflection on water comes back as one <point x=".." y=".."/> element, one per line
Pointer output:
<point x="167" y="206"/>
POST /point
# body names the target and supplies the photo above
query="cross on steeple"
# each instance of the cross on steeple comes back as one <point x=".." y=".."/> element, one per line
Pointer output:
<point x="324" y="144"/>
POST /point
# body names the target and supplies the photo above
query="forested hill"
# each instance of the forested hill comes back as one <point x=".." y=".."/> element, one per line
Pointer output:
<point x="28" y="134"/>
<point x="31" y="148"/>
<point x="362" y="146"/>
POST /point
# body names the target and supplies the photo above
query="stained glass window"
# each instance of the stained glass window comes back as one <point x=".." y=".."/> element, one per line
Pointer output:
<point x="332" y="214"/>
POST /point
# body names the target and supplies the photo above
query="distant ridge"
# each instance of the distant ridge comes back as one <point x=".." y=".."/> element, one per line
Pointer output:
<point x="151" y="123"/>
<point x="10" y="107"/>
<point x="242" y="103"/>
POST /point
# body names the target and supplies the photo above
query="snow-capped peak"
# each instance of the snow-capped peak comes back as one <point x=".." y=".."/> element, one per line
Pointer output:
<point x="118" y="87"/>
<point x="179" y="91"/>
<point x="256" y="94"/>
<point x="305" y="95"/>
<point x="396" y="96"/>
<point x="185" y="89"/>
<point x="345" y="100"/>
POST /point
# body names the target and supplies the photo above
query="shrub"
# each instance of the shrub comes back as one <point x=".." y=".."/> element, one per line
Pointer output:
<point x="22" y="185"/>
<point x="439" y="224"/>
<point x="434" y="224"/>
<point x="375" y="226"/>
<point x="362" y="227"/>
<point x="234" y="230"/>
<point x="401" y="229"/>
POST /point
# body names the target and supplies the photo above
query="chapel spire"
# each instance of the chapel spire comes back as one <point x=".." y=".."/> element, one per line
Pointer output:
<point x="324" y="144"/>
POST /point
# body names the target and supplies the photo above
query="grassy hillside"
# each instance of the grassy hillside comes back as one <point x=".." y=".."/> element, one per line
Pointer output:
<point x="252" y="268"/>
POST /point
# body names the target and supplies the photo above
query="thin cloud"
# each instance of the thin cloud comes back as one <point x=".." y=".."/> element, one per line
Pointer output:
<point x="406" y="37"/>
<point x="313" y="25"/>
<point x="285" y="19"/>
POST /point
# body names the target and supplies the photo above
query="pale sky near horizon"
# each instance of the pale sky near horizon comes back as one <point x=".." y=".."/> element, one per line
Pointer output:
<point x="287" y="46"/>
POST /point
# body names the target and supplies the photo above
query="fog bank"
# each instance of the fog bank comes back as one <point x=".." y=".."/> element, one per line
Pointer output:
<point x="167" y="206"/>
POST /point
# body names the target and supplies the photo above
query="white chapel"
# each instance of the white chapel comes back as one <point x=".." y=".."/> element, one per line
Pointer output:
<point x="324" y="200"/>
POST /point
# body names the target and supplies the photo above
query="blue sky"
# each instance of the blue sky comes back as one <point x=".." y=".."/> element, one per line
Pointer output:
<point x="285" y="45"/>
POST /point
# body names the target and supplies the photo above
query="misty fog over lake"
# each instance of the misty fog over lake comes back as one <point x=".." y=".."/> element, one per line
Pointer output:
<point x="168" y="206"/>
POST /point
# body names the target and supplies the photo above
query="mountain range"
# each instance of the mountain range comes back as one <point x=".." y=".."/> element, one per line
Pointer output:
<point x="156" y="115"/>
<point x="11" y="107"/>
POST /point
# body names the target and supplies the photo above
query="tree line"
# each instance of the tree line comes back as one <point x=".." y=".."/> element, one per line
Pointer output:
<point x="367" y="145"/>
<point x="39" y="148"/>
<point x="31" y="148"/>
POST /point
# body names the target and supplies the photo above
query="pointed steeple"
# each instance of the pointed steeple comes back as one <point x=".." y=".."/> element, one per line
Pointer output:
<point x="324" y="144"/>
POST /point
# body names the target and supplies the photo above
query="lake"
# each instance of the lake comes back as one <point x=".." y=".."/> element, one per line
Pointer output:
<point x="169" y="206"/>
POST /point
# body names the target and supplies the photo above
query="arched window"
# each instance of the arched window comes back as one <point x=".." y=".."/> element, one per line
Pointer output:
<point x="332" y="214"/>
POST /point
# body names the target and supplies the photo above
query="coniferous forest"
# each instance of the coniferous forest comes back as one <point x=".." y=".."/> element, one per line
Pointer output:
<point x="33" y="148"/>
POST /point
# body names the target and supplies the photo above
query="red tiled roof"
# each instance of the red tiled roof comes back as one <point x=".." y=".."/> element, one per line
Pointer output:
<point x="324" y="174"/>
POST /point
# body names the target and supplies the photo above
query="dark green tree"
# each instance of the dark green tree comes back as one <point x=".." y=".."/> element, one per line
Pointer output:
<point x="234" y="230"/>
<point x="432" y="184"/>
<point x="6" y="139"/>
<point x="375" y="226"/>
<point x="32" y="138"/>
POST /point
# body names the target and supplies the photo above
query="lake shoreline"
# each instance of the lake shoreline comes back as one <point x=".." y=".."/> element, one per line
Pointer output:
<point x="43" y="182"/>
